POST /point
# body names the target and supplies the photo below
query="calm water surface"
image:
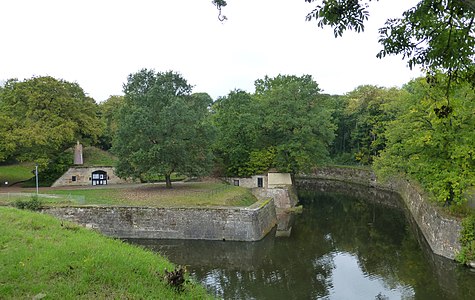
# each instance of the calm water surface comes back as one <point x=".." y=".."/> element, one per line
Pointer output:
<point x="361" y="246"/>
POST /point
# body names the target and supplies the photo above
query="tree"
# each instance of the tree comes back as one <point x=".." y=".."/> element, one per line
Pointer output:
<point x="437" y="35"/>
<point x="162" y="127"/>
<point x="367" y="115"/>
<point x="237" y="130"/>
<point x="286" y="124"/>
<point x="431" y="143"/>
<point x="109" y="113"/>
<point x="43" y="116"/>
<point x="296" y="122"/>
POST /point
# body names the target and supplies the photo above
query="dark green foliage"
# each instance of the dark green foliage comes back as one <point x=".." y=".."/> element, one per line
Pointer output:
<point x="285" y="125"/>
<point x="236" y="120"/>
<point x="467" y="241"/>
<point x="435" y="35"/>
<point x="56" y="168"/>
<point x="33" y="204"/>
<point x="365" y="117"/>
<point x="162" y="127"/>
<point x="437" y="152"/>
<point x="296" y="121"/>
<point x="341" y="147"/>
<point x="109" y="114"/>
<point x="340" y="14"/>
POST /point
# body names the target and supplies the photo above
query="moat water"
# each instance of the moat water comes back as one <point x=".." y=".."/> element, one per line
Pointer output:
<point x="345" y="245"/>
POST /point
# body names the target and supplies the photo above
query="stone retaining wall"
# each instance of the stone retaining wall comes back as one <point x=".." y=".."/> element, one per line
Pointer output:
<point x="441" y="232"/>
<point x="82" y="176"/>
<point x="218" y="223"/>
<point x="284" y="197"/>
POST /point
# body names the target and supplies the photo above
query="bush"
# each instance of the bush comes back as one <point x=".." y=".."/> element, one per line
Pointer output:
<point x="176" y="278"/>
<point x="467" y="241"/>
<point x="33" y="204"/>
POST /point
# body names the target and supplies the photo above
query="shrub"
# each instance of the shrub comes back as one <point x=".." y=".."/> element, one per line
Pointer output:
<point x="467" y="241"/>
<point x="33" y="204"/>
<point x="176" y="278"/>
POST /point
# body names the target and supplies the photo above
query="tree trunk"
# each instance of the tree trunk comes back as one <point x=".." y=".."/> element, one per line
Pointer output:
<point x="168" y="180"/>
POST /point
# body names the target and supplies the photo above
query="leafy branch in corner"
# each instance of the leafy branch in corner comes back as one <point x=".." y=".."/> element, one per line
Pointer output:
<point x="219" y="5"/>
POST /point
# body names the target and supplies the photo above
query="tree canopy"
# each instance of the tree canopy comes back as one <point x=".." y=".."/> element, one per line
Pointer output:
<point x="43" y="116"/>
<point x="286" y="124"/>
<point x="367" y="113"/>
<point x="109" y="113"/>
<point x="237" y="129"/>
<point x="162" y="127"/>
<point x="429" y="146"/>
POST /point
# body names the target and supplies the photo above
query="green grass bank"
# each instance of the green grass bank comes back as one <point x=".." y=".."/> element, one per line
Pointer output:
<point x="42" y="257"/>
<point x="152" y="195"/>
<point x="16" y="173"/>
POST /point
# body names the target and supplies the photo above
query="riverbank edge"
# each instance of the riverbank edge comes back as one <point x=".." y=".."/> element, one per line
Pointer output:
<point x="43" y="257"/>
<point x="441" y="231"/>
<point x="207" y="223"/>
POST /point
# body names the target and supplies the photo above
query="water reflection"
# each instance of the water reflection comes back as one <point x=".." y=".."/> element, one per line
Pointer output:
<point x="340" y="247"/>
<point x="350" y="282"/>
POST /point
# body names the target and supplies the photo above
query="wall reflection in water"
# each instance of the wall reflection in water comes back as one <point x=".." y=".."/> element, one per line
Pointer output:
<point x="362" y="246"/>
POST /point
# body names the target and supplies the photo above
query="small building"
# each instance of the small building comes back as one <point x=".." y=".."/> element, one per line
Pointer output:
<point x="271" y="185"/>
<point x="269" y="180"/>
<point x="82" y="176"/>
<point x="257" y="181"/>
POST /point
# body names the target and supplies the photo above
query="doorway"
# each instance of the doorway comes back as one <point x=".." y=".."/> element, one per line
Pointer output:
<point x="260" y="182"/>
<point x="99" y="177"/>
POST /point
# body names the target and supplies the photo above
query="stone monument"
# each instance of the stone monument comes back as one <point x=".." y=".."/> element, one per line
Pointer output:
<point x="78" y="160"/>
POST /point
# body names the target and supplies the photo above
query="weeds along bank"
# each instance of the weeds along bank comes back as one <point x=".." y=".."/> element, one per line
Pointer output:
<point x="43" y="257"/>
<point x="441" y="231"/>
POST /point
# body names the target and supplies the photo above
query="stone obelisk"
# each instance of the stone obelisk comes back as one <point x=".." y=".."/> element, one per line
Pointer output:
<point x="78" y="154"/>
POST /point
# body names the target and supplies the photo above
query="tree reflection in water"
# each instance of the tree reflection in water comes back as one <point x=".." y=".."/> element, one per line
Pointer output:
<point x="340" y="247"/>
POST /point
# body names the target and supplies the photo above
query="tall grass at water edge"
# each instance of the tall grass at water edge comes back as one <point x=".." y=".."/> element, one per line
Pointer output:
<point x="43" y="257"/>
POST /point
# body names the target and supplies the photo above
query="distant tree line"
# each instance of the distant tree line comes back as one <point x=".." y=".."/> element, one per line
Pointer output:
<point x="161" y="127"/>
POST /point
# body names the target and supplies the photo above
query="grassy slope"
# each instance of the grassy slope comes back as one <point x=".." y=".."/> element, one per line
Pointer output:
<point x="19" y="172"/>
<point x="15" y="173"/>
<point x="93" y="156"/>
<point x="40" y="256"/>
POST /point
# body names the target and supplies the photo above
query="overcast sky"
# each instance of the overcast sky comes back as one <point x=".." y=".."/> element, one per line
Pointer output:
<point x="97" y="43"/>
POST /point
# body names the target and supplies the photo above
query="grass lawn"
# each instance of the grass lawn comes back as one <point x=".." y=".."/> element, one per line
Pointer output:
<point x="154" y="195"/>
<point x="93" y="156"/>
<point x="40" y="256"/>
<point x="15" y="173"/>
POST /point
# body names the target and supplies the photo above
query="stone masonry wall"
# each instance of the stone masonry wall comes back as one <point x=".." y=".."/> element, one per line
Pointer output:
<point x="247" y="182"/>
<point x="83" y="176"/>
<point x="238" y="224"/>
<point x="284" y="197"/>
<point x="441" y="232"/>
